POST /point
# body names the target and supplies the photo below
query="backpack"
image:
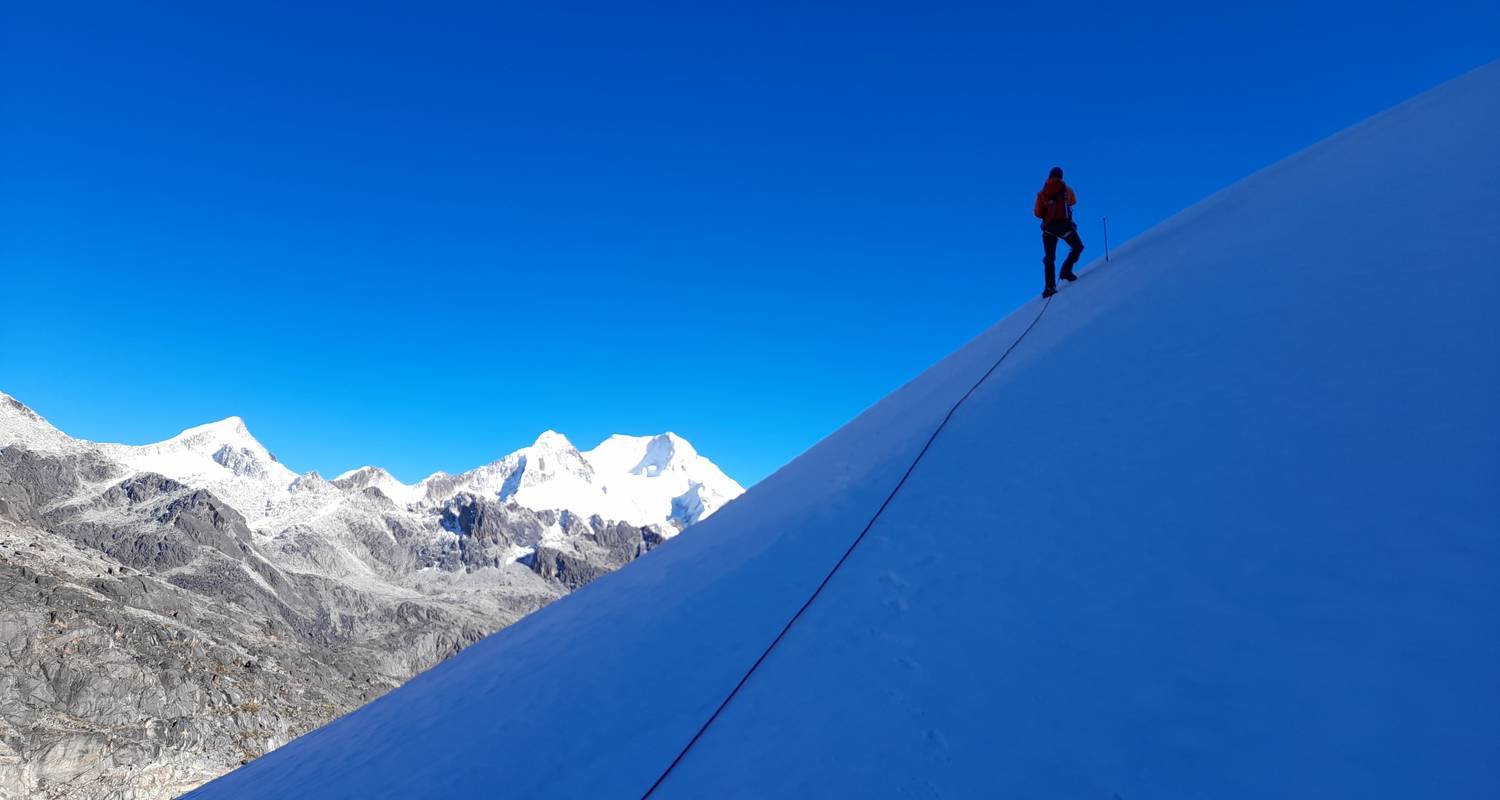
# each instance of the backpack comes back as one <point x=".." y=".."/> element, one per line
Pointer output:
<point x="1051" y="209"/>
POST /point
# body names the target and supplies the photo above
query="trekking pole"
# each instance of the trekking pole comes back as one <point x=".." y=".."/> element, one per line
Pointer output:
<point x="1106" y="237"/>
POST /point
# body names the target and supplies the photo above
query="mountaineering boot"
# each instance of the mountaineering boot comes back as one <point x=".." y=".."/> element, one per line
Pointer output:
<point x="1068" y="275"/>
<point x="1049" y="291"/>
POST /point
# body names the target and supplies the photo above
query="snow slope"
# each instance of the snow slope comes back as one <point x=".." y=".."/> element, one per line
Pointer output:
<point x="1223" y="524"/>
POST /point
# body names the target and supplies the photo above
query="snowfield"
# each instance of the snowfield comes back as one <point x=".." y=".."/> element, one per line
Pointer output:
<point x="1224" y="524"/>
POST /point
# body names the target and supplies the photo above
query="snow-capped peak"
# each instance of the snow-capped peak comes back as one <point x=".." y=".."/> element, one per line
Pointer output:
<point x="221" y="456"/>
<point x="310" y="481"/>
<point x="548" y="474"/>
<point x="644" y="480"/>
<point x="552" y="440"/>
<point x="11" y="407"/>
<point x="228" y="442"/>
<point x="358" y="480"/>
<point x="20" y="425"/>
<point x="360" y="477"/>
<point x="228" y="430"/>
<point x="646" y="455"/>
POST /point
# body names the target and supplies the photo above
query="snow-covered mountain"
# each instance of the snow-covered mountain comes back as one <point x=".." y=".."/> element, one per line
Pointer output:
<point x="1218" y="520"/>
<point x="222" y="457"/>
<point x="642" y="480"/>
<point x="376" y="478"/>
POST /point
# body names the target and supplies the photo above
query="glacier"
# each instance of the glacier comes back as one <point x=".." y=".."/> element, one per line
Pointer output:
<point x="1222" y="524"/>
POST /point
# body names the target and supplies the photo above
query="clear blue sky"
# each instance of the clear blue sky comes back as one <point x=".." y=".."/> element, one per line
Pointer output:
<point x="417" y="236"/>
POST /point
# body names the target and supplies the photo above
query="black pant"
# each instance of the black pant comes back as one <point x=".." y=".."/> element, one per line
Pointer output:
<point x="1068" y="232"/>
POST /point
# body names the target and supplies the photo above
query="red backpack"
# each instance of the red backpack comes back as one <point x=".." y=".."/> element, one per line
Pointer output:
<point x="1054" y="206"/>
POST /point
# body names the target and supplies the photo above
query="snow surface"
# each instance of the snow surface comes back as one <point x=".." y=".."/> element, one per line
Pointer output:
<point x="1223" y="525"/>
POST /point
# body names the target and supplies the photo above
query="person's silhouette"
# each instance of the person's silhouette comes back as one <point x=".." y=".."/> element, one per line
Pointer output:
<point x="1054" y="207"/>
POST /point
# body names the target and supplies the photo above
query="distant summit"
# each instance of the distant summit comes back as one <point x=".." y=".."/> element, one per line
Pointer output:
<point x="643" y="480"/>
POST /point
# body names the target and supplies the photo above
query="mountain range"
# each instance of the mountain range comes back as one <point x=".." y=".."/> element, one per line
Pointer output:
<point x="176" y="608"/>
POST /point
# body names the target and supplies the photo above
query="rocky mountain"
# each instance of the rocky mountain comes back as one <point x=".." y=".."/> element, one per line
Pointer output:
<point x="172" y="610"/>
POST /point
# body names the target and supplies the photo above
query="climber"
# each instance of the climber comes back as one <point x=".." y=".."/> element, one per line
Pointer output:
<point x="1054" y="207"/>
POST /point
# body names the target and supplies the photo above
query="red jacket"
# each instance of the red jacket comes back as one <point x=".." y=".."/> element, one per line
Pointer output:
<point x="1054" y="201"/>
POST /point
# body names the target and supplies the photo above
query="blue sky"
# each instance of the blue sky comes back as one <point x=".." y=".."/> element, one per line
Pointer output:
<point x="417" y="236"/>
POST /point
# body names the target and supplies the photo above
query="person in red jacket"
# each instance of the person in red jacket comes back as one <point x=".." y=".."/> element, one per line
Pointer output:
<point x="1054" y="207"/>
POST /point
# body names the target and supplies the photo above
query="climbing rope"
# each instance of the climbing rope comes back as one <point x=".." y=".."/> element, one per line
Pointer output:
<point x="845" y="557"/>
